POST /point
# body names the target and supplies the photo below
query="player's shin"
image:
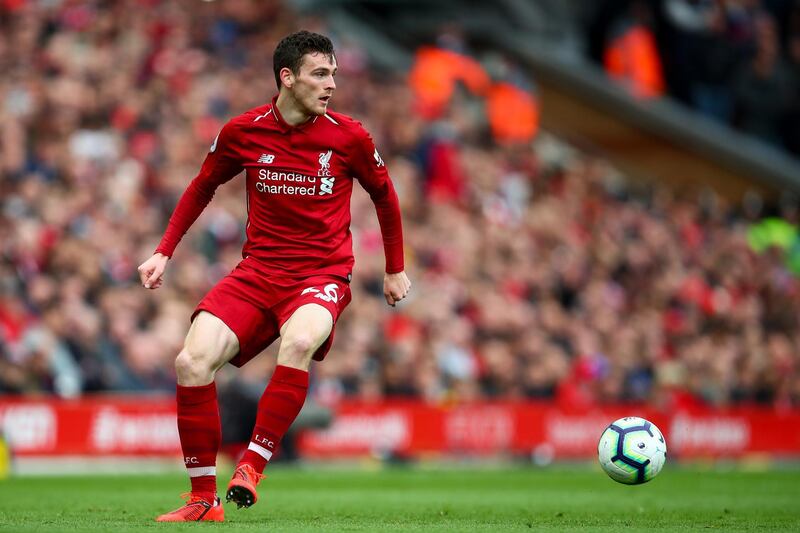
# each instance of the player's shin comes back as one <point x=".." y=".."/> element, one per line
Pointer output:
<point x="200" y="434"/>
<point x="277" y="409"/>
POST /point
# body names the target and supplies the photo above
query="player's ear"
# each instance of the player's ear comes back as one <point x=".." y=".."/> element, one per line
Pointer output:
<point x="287" y="77"/>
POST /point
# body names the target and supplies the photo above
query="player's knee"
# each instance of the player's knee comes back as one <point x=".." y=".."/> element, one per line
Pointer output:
<point x="301" y="344"/>
<point x="194" y="364"/>
<point x="297" y="351"/>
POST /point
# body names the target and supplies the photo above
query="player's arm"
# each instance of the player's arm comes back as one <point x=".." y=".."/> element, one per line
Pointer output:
<point x="220" y="166"/>
<point x="371" y="172"/>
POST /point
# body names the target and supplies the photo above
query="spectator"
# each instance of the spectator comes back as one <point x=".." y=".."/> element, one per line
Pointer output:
<point x="542" y="272"/>
<point x="761" y="89"/>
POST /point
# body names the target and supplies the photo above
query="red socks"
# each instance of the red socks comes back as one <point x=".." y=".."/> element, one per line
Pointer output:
<point x="200" y="430"/>
<point x="201" y="433"/>
<point x="277" y="409"/>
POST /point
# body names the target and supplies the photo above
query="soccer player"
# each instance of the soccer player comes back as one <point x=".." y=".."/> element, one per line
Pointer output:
<point x="293" y="282"/>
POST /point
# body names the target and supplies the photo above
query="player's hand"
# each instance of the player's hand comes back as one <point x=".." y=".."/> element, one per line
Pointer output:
<point x="152" y="270"/>
<point x="395" y="287"/>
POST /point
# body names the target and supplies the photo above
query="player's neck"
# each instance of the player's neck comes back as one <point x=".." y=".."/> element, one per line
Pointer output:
<point x="290" y="111"/>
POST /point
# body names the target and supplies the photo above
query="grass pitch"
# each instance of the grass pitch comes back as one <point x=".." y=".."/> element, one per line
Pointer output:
<point x="416" y="499"/>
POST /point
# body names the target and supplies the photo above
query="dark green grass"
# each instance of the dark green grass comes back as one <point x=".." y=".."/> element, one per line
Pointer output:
<point x="524" y="499"/>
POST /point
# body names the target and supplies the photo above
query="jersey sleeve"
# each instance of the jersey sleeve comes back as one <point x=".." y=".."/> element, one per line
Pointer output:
<point x="221" y="165"/>
<point x="370" y="170"/>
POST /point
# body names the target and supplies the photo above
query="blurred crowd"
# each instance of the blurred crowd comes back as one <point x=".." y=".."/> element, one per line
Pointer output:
<point x="737" y="61"/>
<point x="539" y="271"/>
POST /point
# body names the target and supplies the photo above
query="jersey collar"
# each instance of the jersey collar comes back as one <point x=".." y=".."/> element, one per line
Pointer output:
<point x="285" y="126"/>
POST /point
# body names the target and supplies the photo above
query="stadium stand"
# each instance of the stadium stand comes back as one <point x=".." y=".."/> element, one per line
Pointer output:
<point x="540" y="270"/>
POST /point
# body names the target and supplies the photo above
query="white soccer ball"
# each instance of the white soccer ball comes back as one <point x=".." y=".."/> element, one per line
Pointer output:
<point x="632" y="450"/>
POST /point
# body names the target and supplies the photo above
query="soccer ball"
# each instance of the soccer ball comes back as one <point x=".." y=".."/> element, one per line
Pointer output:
<point x="632" y="450"/>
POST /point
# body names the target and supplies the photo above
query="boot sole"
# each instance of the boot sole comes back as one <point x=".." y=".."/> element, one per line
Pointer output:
<point x="241" y="496"/>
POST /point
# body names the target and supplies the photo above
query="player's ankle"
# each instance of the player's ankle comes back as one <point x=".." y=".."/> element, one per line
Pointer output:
<point x="253" y="459"/>
<point x="208" y="497"/>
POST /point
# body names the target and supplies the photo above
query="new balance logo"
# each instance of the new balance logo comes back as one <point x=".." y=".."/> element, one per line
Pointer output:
<point x="266" y="158"/>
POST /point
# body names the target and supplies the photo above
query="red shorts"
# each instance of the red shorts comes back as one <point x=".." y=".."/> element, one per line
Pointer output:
<point x="255" y="305"/>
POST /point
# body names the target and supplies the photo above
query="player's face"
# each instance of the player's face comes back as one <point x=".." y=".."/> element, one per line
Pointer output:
<point x="314" y="85"/>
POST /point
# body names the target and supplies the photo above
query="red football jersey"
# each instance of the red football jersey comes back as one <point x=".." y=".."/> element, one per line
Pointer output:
<point x="299" y="182"/>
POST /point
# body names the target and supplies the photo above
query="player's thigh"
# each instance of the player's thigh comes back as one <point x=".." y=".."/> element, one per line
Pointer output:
<point x="210" y="340"/>
<point x="306" y="330"/>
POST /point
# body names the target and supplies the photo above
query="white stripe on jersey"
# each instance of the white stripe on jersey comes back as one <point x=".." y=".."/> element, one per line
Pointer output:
<point x="331" y="119"/>
<point x="259" y="117"/>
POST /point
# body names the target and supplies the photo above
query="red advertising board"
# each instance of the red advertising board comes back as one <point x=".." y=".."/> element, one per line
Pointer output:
<point x="90" y="426"/>
<point x="146" y="426"/>
<point x="522" y="428"/>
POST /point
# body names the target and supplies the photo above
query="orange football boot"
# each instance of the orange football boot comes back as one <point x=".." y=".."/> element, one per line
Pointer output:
<point x="195" y="510"/>
<point x="242" y="488"/>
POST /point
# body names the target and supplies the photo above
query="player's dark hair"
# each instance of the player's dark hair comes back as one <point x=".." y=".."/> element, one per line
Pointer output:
<point x="290" y="51"/>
